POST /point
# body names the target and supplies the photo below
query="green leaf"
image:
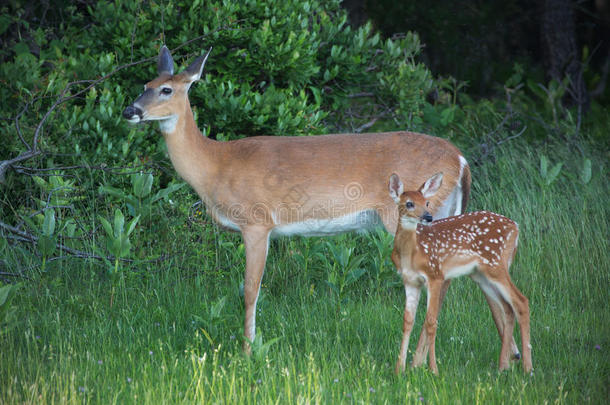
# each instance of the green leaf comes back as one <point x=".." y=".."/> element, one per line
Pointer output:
<point x="107" y="227"/>
<point x="48" y="226"/>
<point x="217" y="307"/>
<point x="333" y="287"/>
<point x="70" y="227"/>
<point x="119" y="223"/>
<point x="544" y="163"/>
<point x="132" y="225"/>
<point x="46" y="245"/>
<point x="5" y="23"/>
<point x="167" y="191"/>
<point x="354" y="275"/>
<point x="21" y="48"/>
<point x="125" y="246"/>
<point x="447" y="115"/>
<point x="585" y="174"/>
<point x="147" y="185"/>
<point x="142" y="184"/>
<point x="5" y="291"/>
<point x="554" y="173"/>
<point x="113" y="245"/>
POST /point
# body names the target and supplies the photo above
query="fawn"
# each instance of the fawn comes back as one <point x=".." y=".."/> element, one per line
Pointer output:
<point x="480" y="244"/>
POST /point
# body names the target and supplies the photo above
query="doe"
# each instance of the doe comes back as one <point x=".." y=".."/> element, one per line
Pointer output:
<point x="480" y="244"/>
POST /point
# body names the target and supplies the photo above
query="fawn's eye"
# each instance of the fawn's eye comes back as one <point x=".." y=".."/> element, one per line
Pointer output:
<point x="166" y="90"/>
<point x="427" y="203"/>
<point x="410" y="205"/>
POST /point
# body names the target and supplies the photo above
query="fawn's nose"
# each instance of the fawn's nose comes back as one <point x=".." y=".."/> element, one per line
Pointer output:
<point x="427" y="217"/>
<point x="130" y="111"/>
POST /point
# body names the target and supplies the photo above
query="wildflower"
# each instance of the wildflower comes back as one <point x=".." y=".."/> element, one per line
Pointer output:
<point x="598" y="347"/>
<point x="128" y="379"/>
<point x="100" y="362"/>
<point x="82" y="389"/>
<point x="336" y="380"/>
<point x="150" y="352"/>
<point x="371" y="389"/>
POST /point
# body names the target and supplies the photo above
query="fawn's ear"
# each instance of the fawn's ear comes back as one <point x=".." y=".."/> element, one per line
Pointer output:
<point x="431" y="186"/>
<point x="396" y="187"/>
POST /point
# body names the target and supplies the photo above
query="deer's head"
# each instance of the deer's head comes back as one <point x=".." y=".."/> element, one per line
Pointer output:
<point x="165" y="97"/>
<point x="413" y="205"/>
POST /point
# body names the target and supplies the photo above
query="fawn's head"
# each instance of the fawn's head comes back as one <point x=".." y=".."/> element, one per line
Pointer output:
<point x="413" y="205"/>
<point x="164" y="98"/>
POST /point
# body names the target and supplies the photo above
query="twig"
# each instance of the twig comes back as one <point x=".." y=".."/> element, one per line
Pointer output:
<point x="366" y="126"/>
<point x="510" y="138"/>
<point x="361" y="94"/>
<point x="3" y="273"/>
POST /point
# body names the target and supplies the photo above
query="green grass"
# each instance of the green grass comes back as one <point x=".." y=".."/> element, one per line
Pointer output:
<point x="173" y="332"/>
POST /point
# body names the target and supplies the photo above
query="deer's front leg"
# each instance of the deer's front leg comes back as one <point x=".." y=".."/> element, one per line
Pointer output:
<point x="412" y="299"/>
<point x="421" y="352"/>
<point x="256" y="243"/>
<point x="434" y="293"/>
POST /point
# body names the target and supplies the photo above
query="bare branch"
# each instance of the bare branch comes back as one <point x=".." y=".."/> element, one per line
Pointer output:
<point x="24" y="236"/>
<point x="366" y="126"/>
<point x="2" y="273"/>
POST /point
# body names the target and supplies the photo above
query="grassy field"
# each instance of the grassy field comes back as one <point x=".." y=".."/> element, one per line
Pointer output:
<point x="170" y="331"/>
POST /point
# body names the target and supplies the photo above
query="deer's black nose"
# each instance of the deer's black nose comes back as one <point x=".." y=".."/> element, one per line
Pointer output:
<point x="130" y="111"/>
<point x="427" y="217"/>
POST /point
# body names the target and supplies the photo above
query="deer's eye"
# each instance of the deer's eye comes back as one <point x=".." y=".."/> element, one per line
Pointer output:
<point x="166" y="90"/>
<point x="427" y="203"/>
<point x="410" y="205"/>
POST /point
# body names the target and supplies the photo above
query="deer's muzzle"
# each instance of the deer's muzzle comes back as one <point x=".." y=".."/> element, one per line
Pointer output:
<point x="132" y="113"/>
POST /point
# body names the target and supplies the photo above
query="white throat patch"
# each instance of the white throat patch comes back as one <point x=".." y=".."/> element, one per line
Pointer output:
<point x="408" y="223"/>
<point x="168" y="125"/>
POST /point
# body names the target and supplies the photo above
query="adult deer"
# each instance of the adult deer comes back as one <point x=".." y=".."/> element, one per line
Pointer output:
<point x="479" y="244"/>
<point x="271" y="186"/>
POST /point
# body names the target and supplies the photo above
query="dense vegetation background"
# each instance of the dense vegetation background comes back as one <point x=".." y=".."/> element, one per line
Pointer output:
<point x="115" y="286"/>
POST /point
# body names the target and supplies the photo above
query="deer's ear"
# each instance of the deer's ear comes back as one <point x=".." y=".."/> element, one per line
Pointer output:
<point x="431" y="186"/>
<point x="396" y="187"/>
<point x="195" y="69"/>
<point x="165" y="65"/>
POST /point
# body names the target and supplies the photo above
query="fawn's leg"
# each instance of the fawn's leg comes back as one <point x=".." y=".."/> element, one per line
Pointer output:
<point x="421" y="352"/>
<point x="508" y="339"/>
<point x="499" y="314"/>
<point x="522" y="310"/>
<point x="430" y="324"/>
<point x="412" y="299"/>
<point x="520" y="306"/>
